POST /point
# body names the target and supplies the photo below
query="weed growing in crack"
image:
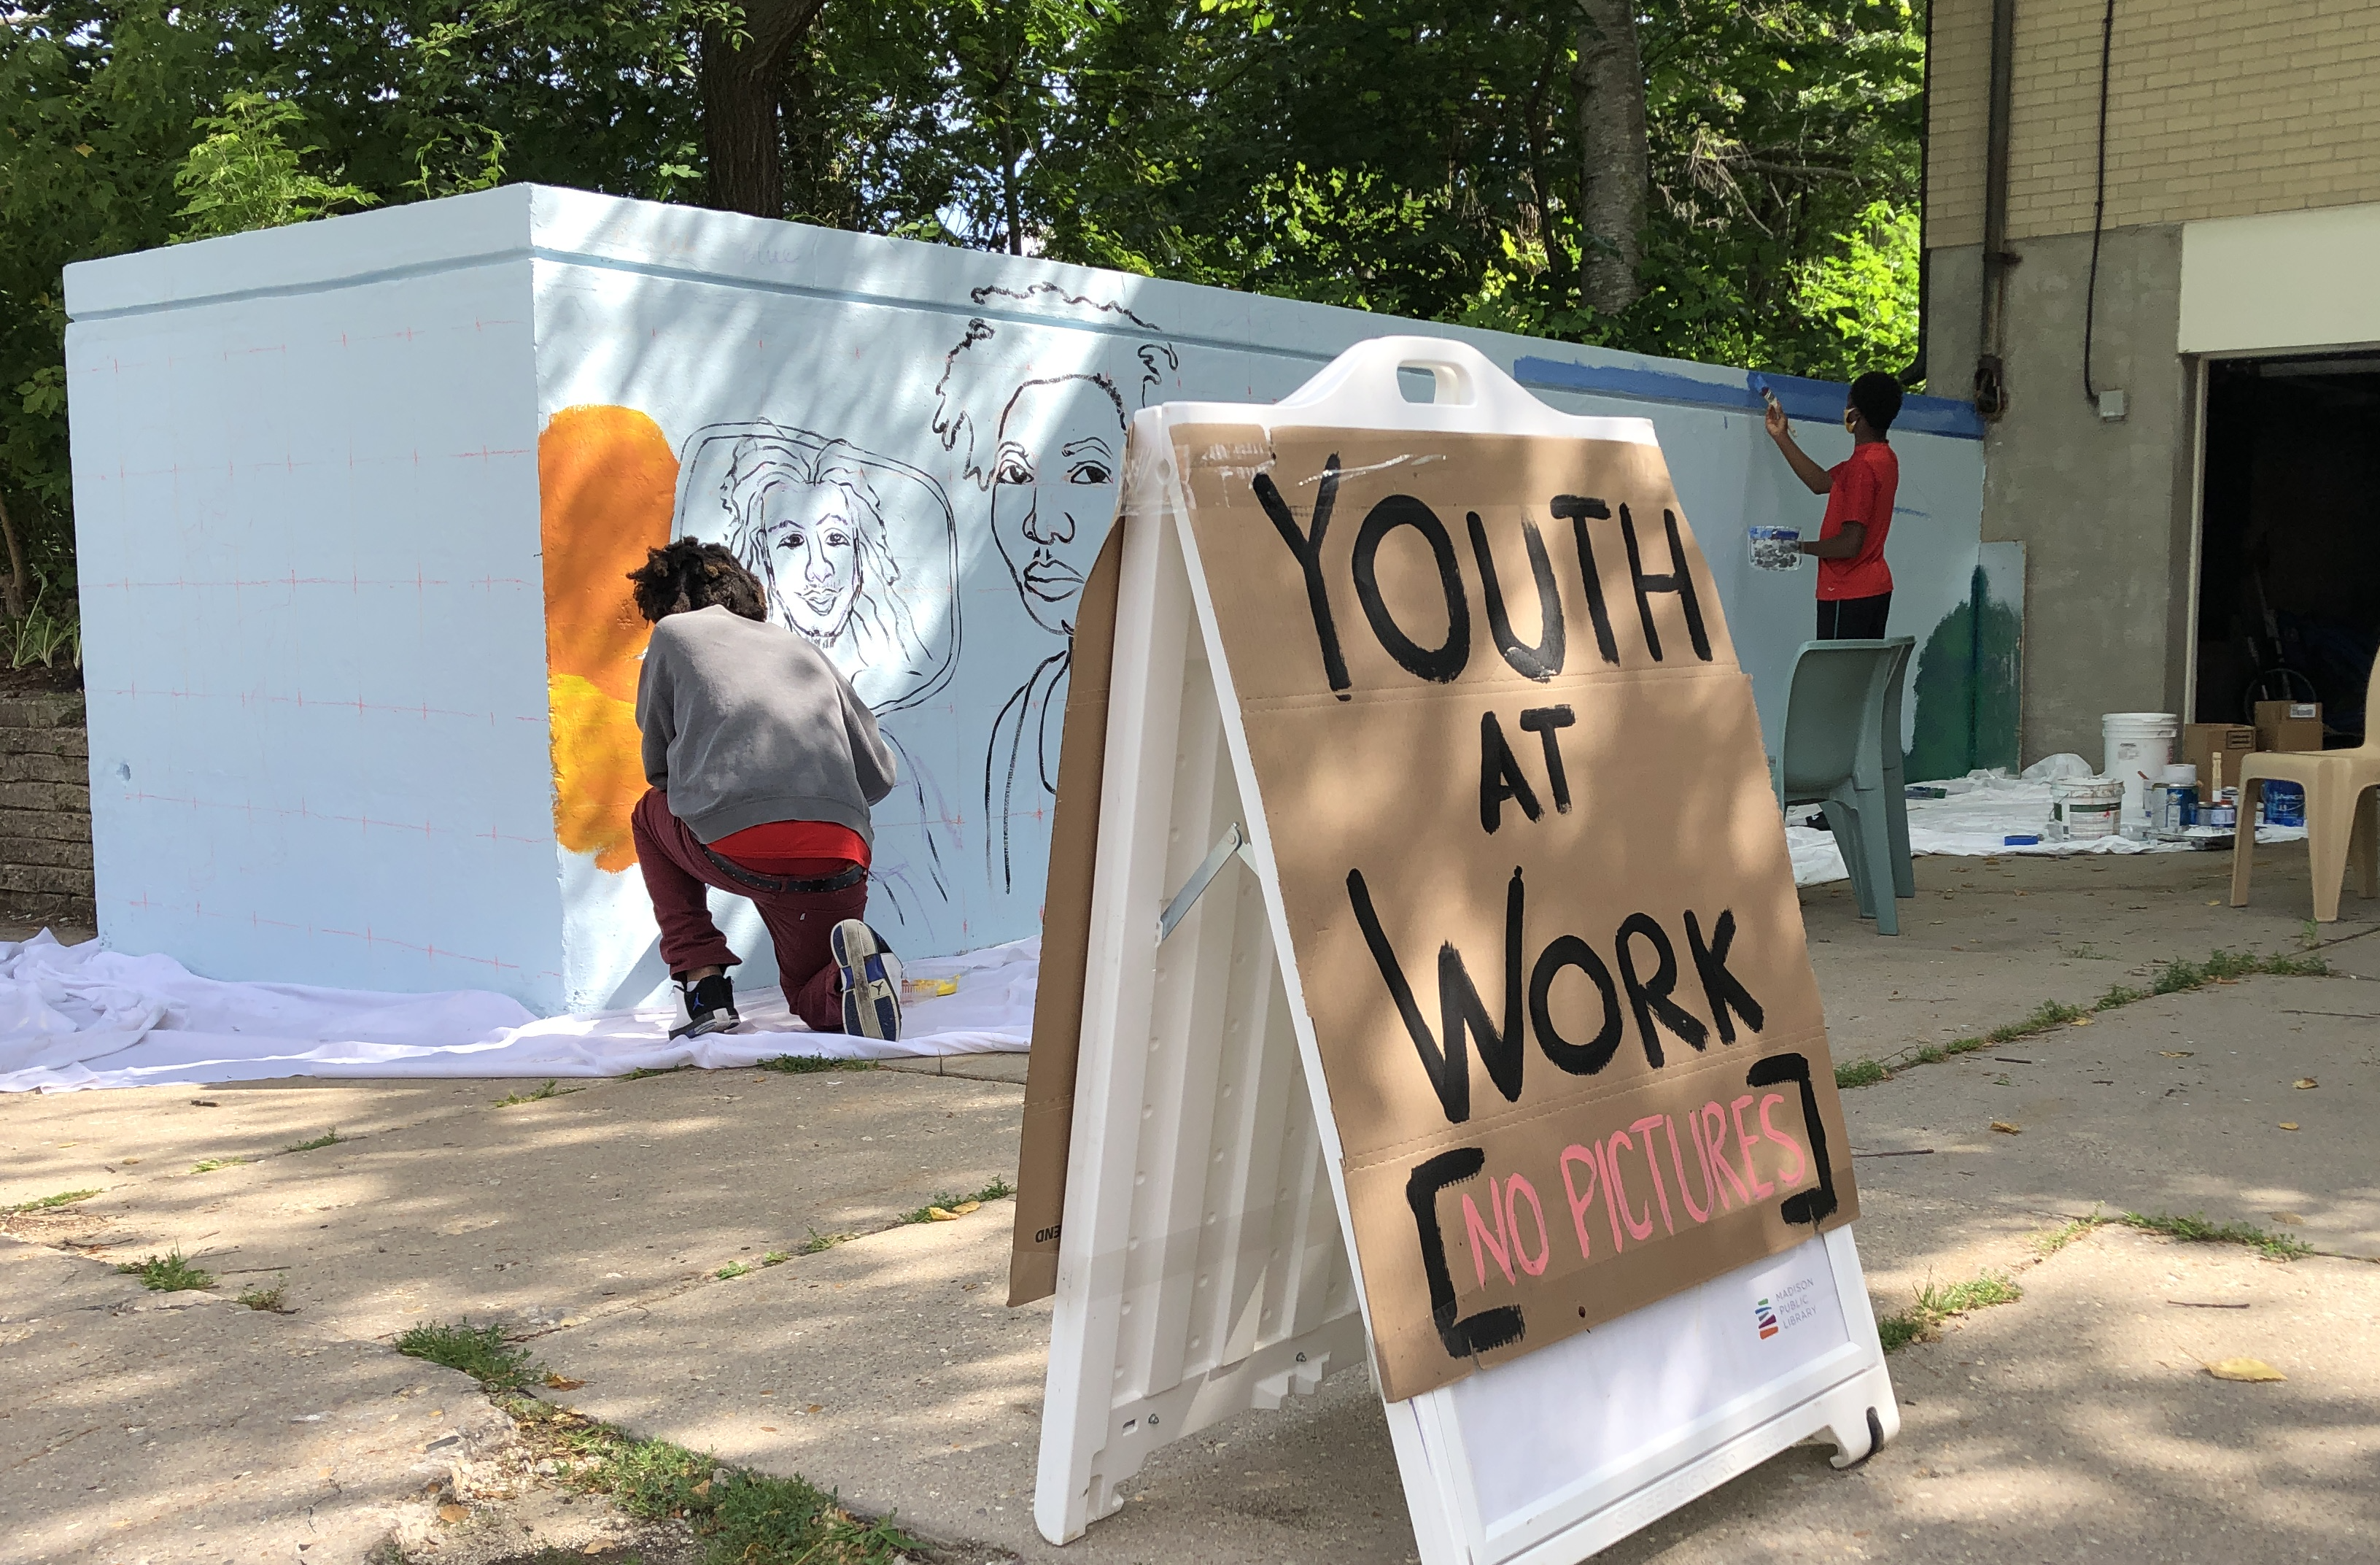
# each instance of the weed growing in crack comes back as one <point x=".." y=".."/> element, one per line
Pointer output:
<point x="267" y="1299"/>
<point x="2173" y="977"/>
<point x="742" y="1517"/>
<point x="810" y="1064"/>
<point x="2059" y="1237"/>
<point x="479" y="1352"/>
<point x="169" y="1273"/>
<point x="328" y="1138"/>
<point x="732" y="1270"/>
<point x="818" y="1242"/>
<point x="949" y="1206"/>
<point x="209" y="1165"/>
<point x="1860" y="1074"/>
<point x="1936" y="1302"/>
<point x="49" y="1203"/>
<point x="2196" y="1229"/>
<point x="547" y="1091"/>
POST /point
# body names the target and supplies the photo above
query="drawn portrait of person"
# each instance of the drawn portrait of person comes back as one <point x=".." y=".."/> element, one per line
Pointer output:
<point x="859" y="554"/>
<point x="1045" y="446"/>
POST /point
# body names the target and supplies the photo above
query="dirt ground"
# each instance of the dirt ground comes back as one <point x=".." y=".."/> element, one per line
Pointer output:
<point x="2076" y="1422"/>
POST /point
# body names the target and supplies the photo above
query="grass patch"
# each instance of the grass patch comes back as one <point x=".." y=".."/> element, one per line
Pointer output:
<point x="776" y="1257"/>
<point x="810" y="1064"/>
<point x="328" y="1138"/>
<point x="547" y="1091"/>
<point x="644" y="1071"/>
<point x="997" y="1190"/>
<point x="479" y="1352"/>
<point x="169" y="1273"/>
<point x="1936" y="1302"/>
<point x="733" y="1269"/>
<point x="2198" y="1231"/>
<point x="741" y="1517"/>
<point x="266" y="1299"/>
<point x="51" y="1203"/>
<point x="818" y="1242"/>
<point x="209" y="1165"/>
<point x="1860" y="1074"/>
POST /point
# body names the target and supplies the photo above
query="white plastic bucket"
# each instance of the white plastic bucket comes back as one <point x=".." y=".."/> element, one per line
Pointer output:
<point x="2086" y="806"/>
<point x="2139" y="747"/>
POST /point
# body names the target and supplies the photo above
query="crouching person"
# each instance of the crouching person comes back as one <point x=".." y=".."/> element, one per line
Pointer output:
<point x="763" y="764"/>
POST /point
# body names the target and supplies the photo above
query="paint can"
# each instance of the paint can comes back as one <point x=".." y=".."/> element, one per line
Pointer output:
<point x="2084" y="807"/>
<point x="2139" y="747"/>
<point x="2223" y="812"/>
<point x="2173" y="802"/>
<point x="2283" y="803"/>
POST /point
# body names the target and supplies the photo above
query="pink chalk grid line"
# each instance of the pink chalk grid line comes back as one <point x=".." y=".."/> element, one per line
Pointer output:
<point x="367" y="935"/>
<point x="409" y="335"/>
<point x="304" y="811"/>
<point x="357" y="705"/>
<point x="419" y="581"/>
<point x="124" y="471"/>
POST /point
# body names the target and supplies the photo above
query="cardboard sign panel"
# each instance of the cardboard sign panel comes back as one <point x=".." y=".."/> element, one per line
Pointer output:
<point x="1534" y="883"/>
<point x="1065" y="942"/>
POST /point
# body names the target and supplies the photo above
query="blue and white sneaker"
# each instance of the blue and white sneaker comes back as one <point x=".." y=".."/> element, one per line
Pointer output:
<point x="871" y="981"/>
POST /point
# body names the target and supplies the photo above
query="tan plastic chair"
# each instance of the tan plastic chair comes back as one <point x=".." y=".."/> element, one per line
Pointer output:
<point x="2342" y="813"/>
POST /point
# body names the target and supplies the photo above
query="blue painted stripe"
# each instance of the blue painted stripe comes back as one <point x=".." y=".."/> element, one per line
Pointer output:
<point x="1814" y="400"/>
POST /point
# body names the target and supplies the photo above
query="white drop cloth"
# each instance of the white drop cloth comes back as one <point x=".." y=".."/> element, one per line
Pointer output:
<point x="78" y="1016"/>
<point x="1978" y="819"/>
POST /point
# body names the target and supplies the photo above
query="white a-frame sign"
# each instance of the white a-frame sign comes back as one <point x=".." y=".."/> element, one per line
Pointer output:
<point x="1423" y="957"/>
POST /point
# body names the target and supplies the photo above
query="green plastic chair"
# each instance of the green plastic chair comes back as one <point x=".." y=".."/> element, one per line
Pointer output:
<point x="1841" y="748"/>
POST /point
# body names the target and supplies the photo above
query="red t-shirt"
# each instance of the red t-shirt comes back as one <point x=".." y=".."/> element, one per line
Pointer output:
<point x="1862" y="490"/>
<point x="800" y="849"/>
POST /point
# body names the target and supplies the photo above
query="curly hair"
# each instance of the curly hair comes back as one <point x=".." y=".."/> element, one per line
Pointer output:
<point x="689" y="574"/>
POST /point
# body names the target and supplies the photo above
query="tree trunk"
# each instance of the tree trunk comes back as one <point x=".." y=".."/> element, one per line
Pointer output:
<point x="1610" y="79"/>
<point x="740" y="126"/>
<point x="12" y="593"/>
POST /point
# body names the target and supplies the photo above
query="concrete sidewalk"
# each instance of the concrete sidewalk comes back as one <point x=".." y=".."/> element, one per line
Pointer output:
<point x="594" y="1222"/>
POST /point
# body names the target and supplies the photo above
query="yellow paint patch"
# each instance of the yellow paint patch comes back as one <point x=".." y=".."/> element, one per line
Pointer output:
<point x="606" y="483"/>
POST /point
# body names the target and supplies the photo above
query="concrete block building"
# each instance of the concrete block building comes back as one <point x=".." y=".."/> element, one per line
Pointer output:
<point x="2153" y="258"/>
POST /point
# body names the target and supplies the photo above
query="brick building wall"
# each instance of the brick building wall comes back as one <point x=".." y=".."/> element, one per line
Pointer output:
<point x="2215" y="109"/>
<point x="44" y="807"/>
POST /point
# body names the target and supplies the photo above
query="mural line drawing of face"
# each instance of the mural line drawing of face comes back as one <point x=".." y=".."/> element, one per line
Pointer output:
<point x="1053" y="489"/>
<point x="808" y="556"/>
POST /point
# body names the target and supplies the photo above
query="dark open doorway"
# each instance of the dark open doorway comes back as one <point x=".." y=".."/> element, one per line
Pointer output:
<point x="2288" y="581"/>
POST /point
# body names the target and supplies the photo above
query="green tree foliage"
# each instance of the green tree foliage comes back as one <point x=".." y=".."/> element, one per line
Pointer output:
<point x="245" y="175"/>
<point x="1409" y="156"/>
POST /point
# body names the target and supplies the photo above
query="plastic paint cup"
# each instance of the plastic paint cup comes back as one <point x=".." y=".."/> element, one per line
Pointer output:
<point x="1774" y="548"/>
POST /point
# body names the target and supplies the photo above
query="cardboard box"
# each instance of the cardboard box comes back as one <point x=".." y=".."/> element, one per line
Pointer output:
<point x="2288" y="725"/>
<point x="2201" y="743"/>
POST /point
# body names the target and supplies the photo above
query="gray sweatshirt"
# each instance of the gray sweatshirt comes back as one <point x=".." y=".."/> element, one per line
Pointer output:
<point x="747" y="722"/>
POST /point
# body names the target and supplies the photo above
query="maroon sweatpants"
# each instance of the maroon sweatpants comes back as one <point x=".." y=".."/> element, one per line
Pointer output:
<point x="677" y="871"/>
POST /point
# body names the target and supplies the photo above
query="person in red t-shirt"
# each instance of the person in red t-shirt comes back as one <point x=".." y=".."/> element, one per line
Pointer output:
<point x="1854" y="584"/>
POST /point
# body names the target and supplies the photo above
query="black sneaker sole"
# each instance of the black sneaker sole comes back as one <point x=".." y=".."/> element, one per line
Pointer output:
<point x="871" y="1002"/>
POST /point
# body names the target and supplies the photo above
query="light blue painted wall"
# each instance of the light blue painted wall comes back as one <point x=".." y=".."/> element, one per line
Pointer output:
<point x="747" y="341"/>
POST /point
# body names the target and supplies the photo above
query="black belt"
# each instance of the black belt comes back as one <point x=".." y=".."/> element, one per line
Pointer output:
<point x="853" y="877"/>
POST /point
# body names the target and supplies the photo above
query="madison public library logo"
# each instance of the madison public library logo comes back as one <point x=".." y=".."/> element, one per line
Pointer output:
<point x="1766" y="1318"/>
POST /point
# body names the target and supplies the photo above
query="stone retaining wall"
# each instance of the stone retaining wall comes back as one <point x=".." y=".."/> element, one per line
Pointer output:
<point x="44" y="807"/>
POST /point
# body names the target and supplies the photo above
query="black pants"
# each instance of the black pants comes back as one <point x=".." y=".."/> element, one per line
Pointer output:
<point x="1853" y="619"/>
